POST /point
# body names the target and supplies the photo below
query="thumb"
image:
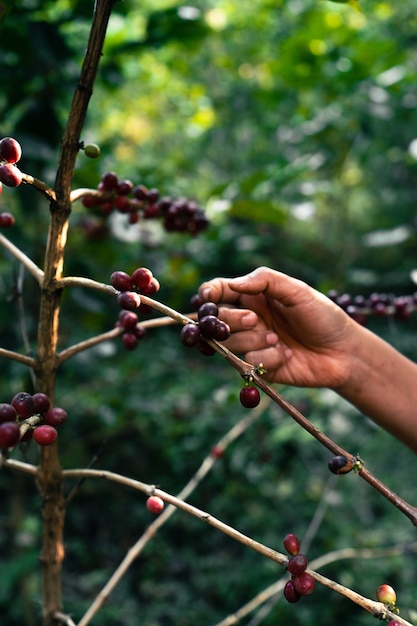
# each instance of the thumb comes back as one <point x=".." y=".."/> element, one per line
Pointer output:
<point x="276" y="285"/>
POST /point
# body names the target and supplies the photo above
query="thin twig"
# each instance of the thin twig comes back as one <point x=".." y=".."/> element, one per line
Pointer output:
<point x="150" y="532"/>
<point x="19" y="466"/>
<point x="76" y="194"/>
<point x="15" y="356"/>
<point x="66" y="354"/>
<point x="39" y="185"/>
<point x="321" y="561"/>
<point x="375" y="608"/>
<point x="23" y="258"/>
<point x="406" y="508"/>
<point x="64" y="619"/>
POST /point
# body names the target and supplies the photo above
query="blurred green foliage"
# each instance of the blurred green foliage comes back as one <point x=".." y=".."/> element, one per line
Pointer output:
<point x="294" y="124"/>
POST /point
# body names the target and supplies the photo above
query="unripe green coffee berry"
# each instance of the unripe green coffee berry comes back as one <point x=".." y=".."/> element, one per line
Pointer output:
<point x="92" y="151"/>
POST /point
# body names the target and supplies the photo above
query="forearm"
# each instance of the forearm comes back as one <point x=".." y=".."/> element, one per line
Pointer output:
<point x="383" y="385"/>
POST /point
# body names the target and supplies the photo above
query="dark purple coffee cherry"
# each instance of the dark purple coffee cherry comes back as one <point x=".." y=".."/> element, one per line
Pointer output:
<point x="209" y="326"/>
<point x="304" y="584"/>
<point x="208" y="308"/>
<point x="6" y="219"/>
<point x="128" y="300"/>
<point x="7" y="412"/>
<point x="121" y="281"/>
<point x="205" y="348"/>
<point x="249" y="397"/>
<point x="9" y="435"/>
<point x="10" y="175"/>
<point x="142" y="278"/>
<point x="223" y="331"/>
<point x="292" y="544"/>
<point x="337" y="464"/>
<point x="190" y="335"/>
<point x="290" y="593"/>
<point x="109" y="181"/>
<point x="130" y="340"/>
<point x="297" y="564"/>
<point x="24" y="404"/>
<point x="10" y="150"/>
<point x="41" y="402"/>
<point x="55" y="416"/>
<point x="128" y="320"/>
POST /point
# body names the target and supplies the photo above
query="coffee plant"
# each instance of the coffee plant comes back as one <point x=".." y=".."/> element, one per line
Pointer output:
<point x="32" y="421"/>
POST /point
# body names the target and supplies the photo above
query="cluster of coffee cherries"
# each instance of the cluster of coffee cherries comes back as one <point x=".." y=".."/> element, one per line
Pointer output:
<point x="387" y="595"/>
<point x="360" y="308"/>
<point x="301" y="583"/>
<point x="10" y="175"/>
<point x="138" y="202"/>
<point x="130" y="287"/>
<point x="208" y="326"/>
<point x="27" y="417"/>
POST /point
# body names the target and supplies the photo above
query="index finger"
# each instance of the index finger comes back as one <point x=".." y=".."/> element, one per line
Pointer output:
<point x="218" y="290"/>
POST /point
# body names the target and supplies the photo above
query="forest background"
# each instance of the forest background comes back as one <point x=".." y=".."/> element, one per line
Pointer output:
<point x="294" y="123"/>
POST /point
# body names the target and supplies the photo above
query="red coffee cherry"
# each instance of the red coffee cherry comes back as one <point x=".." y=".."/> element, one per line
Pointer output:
<point x="6" y="219"/>
<point x="190" y="335"/>
<point x="41" y="402"/>
<point x="130" y="340"/>
<point x="249" y="397"/>
<point x="7" y="412"/>
<point x="9" y="435"/>
<point x="155" y="504"/>
<point x="45" y="435"/>
<point x="55" y="416"/>
<point x="290" y="593"/>
<point x="121" y="281"/>
<point x="10" y="150"/>
<point x="292" y="544"/>
<point x="304" y="584"/>
<point x="128" y="300"/>
<point x="297" y="564"/>
<point x="10" y="175"/>
<point x="24" y="404"/>
<point x="142" y="278"/>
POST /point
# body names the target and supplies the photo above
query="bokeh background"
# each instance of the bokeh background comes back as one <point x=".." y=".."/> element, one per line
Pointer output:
<point x="294" y="124"/>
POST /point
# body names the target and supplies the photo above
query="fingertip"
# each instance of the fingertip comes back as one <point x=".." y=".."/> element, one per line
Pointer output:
<point x="205" y="293"/>
<point x="249" y="319"/>
<point x="272" y="339"/>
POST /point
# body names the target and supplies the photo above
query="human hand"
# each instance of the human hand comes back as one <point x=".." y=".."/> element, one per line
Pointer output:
<point x="299" y="335"/>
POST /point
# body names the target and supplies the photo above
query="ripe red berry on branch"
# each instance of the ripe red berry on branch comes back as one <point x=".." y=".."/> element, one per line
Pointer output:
<point x="10" y="150"/>
<point x="9" y="435"/>
<point x="249" y="396"/>
<point x="155" y="504"/>
<point x="6" y="219"/>
<point x="292" y="544"/>
<point x="10" y="175"/>
<point x="45" y="435"/>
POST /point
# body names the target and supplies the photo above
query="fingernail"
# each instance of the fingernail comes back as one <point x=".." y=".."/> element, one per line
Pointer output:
<point x="272" y="339"/>
<point x="249" y="319"/>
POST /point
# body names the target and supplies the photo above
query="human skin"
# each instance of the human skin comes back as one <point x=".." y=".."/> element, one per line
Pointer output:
<point x="304" y="339"/>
